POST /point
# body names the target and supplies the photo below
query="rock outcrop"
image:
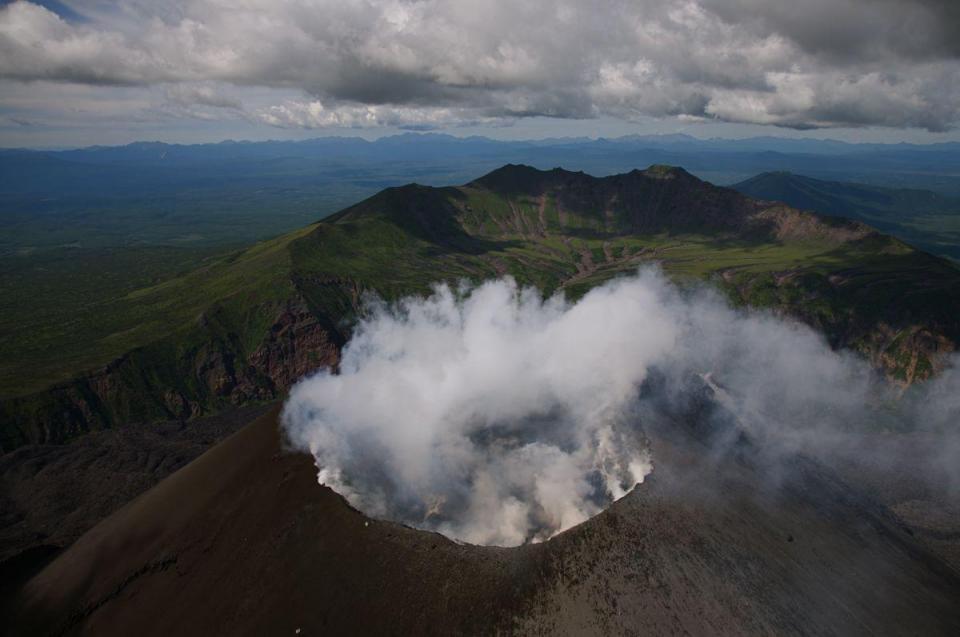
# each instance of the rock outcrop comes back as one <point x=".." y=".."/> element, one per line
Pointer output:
<point x="160" y="383"/>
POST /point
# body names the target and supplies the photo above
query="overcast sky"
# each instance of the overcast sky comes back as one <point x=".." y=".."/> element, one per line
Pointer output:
<point x="112" y="71"/>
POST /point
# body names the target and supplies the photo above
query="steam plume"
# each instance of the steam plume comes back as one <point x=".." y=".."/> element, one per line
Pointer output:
<point x="497" y="417"/>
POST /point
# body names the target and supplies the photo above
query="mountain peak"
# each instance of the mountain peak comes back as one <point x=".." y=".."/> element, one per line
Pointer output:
<point x="522" y="178"/>
<point x="518" y="199"/>
<point x="515" y="179"/>
<point x="664" y="171"/>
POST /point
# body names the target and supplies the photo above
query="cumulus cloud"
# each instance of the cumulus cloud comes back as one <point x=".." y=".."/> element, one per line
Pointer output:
<point x="36" y="44"/>
<point x="800" y="64"/>
<point x="314" y="114"/>
<point x="496" y="417"/>
<point x="201" y="95"/>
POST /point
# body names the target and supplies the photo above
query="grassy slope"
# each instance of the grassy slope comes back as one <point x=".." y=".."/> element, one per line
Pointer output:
<point x="90" y="313"/>
<point x="153" y="340"/>
<point x="402" y="240"/>
<point x="56" y="307"/>
<point x="926" y="219"/>
<point x="877" y="294"/>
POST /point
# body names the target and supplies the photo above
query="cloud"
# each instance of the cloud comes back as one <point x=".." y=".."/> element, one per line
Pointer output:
<point x="496" y="417"/>
<point x="36" y="44"/>
<point x="313" y="114"/>
<point x="802" y="64"/>
<point x="201" y="95"/>
<point x="853" y="31"/>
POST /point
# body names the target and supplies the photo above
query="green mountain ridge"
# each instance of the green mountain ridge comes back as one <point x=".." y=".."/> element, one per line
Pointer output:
<point x="928" y="220"/>
<point x="243" y="327"/>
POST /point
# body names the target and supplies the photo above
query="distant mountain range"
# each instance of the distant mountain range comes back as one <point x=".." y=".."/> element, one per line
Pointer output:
<point x="205" y="195"/>
<point x="147" y="150"/>
<point x="717" y="159"/>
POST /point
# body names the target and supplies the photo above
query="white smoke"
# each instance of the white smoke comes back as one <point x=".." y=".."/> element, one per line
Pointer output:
<point x="488" y="414"/>
<point x="496" y="417"/>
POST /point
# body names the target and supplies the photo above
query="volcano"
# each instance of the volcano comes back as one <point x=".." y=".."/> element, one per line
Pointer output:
<point x="718" y="539"/>
<point x="243" y="541"/>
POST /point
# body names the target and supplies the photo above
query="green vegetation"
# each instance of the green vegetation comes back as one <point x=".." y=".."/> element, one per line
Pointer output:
<point x="206" y="218"/>
<point x="928" y="220"/>
<point x="58" y="308"/>
<point x="65" y="317"/>
<point x="175" y="325"/>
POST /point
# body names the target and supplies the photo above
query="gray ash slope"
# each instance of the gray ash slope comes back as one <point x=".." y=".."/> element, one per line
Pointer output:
<point x="723" y="538"/>
<point x="52" y="494"/>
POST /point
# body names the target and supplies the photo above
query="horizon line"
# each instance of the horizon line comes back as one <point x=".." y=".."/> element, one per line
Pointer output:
<point x="584" y="139"/>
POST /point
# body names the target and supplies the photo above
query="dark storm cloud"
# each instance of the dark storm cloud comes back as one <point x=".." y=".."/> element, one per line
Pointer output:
<point x="817" y="63"/>
<point x="853" y="30"/>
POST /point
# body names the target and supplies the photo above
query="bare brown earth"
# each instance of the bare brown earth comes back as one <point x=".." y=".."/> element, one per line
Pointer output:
<point x="243" y="541"/>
